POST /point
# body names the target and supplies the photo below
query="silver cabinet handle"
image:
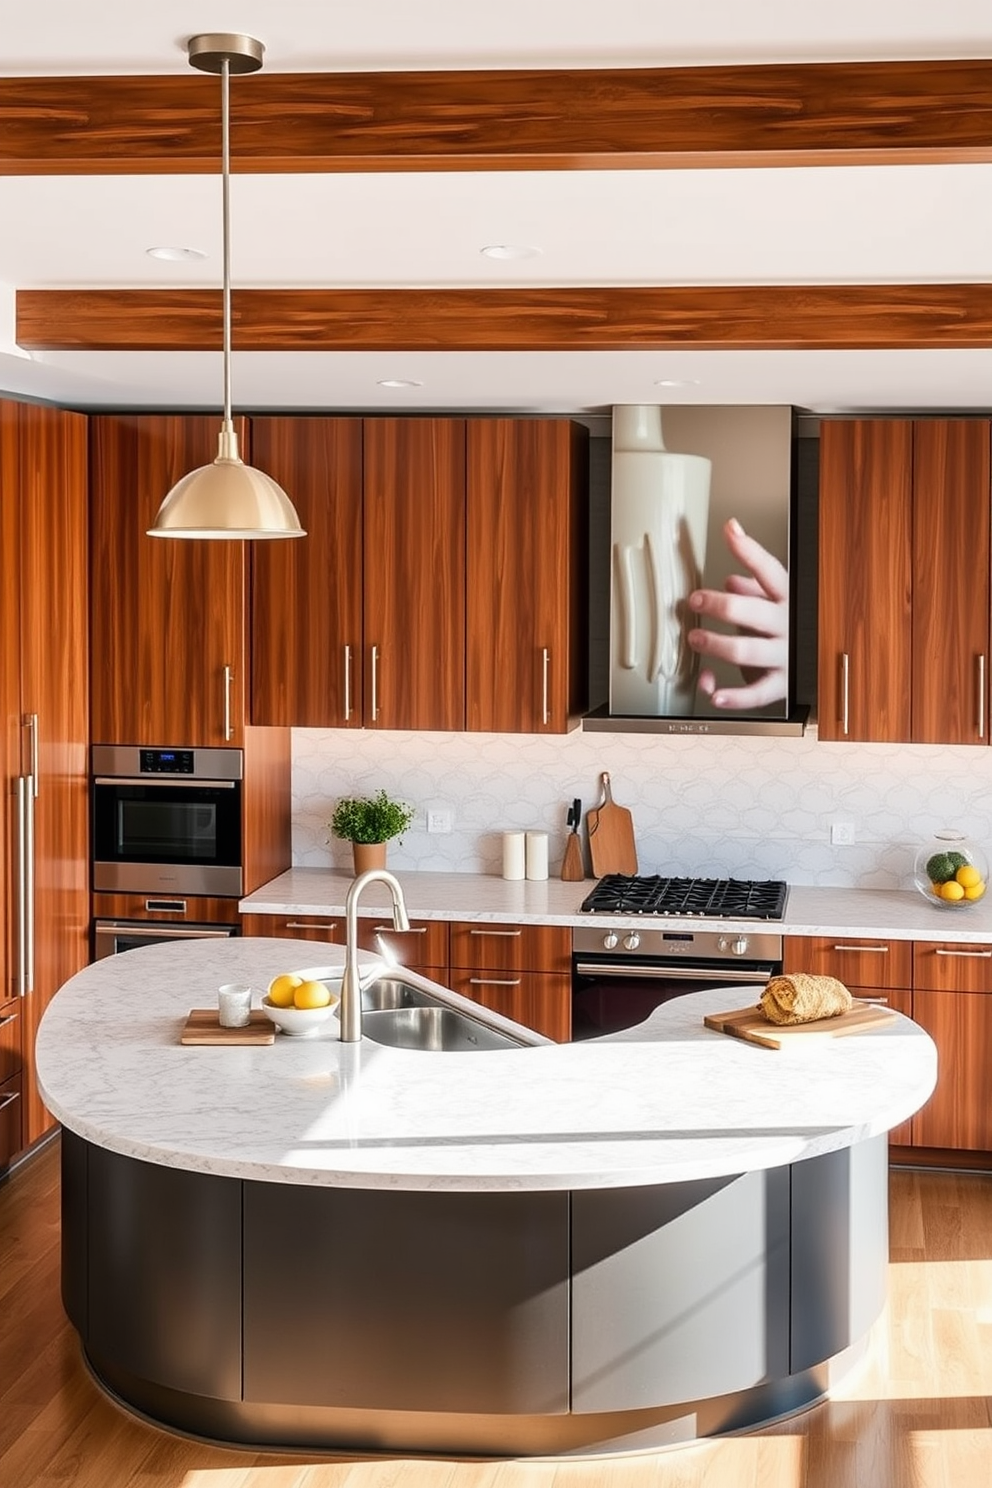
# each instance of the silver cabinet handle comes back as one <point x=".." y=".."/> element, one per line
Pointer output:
<point x="981" y="696"/>
<point x="228" y="676"/>
<point x="494" y="982"/>
<point x="311" y="925"/>
<point x="347" y="683"/>
<point x="545" y="664"/>
<point x="29" y="795"/>
<point x="166" y="906"/>
<point x="967" y="955"/>
<point x="872" y="1001"/>
<point x="10" y="1018"/>
<point x="872" y="950"/>
<point x="845" y="692"/>
<point x="507" y="934"/>
<point x="6" y="1100"/>
<point x="375" y="684"/>
<point x="391" y="930"/>
<point x="32" y="727"/>
<point x="22" y="886"/>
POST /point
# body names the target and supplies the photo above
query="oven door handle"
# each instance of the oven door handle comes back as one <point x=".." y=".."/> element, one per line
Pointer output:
<point x="188" y="782"/>
<point x="704" y="976"/>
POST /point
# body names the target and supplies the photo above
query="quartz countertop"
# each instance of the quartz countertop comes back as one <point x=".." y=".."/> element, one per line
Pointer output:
<point x="892" y="914"/>
<point x="667" y="1101"/>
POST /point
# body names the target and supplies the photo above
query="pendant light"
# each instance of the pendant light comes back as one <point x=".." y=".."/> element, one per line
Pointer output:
<point x="227" y="499"/>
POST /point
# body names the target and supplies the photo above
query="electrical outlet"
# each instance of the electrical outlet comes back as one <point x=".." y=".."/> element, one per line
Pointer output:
<point x="439" y="821"/>
<point x="842" y="833"/>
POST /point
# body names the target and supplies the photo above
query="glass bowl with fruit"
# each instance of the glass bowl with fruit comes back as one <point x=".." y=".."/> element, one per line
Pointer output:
<point x="951" y="871"/>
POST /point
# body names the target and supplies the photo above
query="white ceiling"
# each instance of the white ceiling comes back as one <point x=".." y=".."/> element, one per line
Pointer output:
<point x="828" y="225"/>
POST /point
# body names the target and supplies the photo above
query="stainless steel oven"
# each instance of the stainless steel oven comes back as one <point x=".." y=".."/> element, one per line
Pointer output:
<point x="111" y="937"/>
<point x="166" y="821"/>
<point x="620" y="976"/>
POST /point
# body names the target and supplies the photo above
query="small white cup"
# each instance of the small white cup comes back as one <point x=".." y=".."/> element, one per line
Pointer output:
<point x="234" y="1005"/>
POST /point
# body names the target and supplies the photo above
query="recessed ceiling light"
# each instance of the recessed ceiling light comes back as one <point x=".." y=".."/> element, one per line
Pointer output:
<point x="677" y="382"/>
<point x="398" y="382"/>
<point x="176" y="255"/>
<point x="509" y="250"/>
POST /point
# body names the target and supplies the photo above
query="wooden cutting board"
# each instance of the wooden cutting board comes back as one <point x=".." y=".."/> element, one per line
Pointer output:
<point x="202" y="1027"/>
<point x="751" y="1025"/>
<point x="611" y="835"/>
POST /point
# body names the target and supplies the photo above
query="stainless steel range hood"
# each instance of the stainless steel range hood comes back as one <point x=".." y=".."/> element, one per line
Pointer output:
<point x="601" y="721"/>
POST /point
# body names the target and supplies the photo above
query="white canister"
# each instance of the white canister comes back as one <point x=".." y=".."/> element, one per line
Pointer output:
<point x="513" y="855"/>
<point x="234" y="1005"/>
<point x="536" y="855"/>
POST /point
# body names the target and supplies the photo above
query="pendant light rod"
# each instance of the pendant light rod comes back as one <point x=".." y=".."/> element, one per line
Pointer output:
<point x="225" y="151"/>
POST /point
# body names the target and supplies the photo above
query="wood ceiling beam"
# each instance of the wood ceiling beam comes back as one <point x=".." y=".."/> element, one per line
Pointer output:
<point x="722" y="318"/>
<point x="757" y="115"/>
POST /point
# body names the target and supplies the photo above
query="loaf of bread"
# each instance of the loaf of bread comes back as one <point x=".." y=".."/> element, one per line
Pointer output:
<point x="802" y="998"/>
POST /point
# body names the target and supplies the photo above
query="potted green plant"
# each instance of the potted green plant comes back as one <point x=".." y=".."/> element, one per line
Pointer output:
<point x="368" y="823"/>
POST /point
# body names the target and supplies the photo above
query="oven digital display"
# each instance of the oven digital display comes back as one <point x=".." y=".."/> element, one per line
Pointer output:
<point x="166" y="761"/>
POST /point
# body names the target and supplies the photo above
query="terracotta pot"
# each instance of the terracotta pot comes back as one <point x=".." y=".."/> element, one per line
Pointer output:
<point x="368" y="855"/>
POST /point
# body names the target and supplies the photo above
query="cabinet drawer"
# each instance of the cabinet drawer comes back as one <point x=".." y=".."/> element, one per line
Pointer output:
<point x="952" y="968"/>
<point x="166" y="907"/>
<point x="298" y="927"/>
<point x="425" y="944"/>
<point x="11" y="1141"/>
<point x="10" y="1040"/>
<point x="857" y="961"/>
<point x="511" y="947"/>
<point x="538" y="1000"/>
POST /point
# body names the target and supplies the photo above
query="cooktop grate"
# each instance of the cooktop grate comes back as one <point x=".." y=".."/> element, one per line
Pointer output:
<point x="711" y="898"/>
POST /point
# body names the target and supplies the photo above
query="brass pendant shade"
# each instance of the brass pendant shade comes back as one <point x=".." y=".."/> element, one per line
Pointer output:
<point x="227" y="499"/>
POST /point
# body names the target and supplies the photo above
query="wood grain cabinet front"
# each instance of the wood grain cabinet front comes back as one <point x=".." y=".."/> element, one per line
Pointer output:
<point x="521" y="971"/>
<point x="904" y="553"/>
<point x="296" y="927"/>
<point x="423" y="948"/>
<point x="12" y="1138"/>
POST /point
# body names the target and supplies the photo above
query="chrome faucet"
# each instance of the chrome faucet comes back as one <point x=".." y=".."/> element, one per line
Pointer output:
<point x="350" y="1011"/>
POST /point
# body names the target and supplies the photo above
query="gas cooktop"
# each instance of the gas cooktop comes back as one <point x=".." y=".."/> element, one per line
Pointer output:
<point x="708" y="898"/>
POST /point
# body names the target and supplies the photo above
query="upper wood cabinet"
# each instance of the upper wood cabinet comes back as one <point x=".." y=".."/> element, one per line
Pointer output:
<point x="168" y="616"/>
<point x="45" y="734"/>
<point x="865" y="575"/>
<point x="527" y="505"/>
<point x="306" y="609"/>
<point x="904" y="580"/>
<point x="414" y="573"/>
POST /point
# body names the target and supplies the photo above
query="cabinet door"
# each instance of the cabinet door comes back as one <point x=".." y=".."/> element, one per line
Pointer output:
<point x="538" y="1000"/>
<point x="511" y="947"/>
<point x="55" y="710"/>
<point x="527" y="502"/>
<point x="296" y="927"/>
<point x="958" y="1114"/>
<point x="951" y="497"/>
<point x="168" y="616"/>
<point x="414" y="573"/>
<point x="306" y="605"/>
<point x="941" y="967"/>
<point x="423" y="948"/>
<point x="858" y="961"/>
<point x="902" y="1001"/>
<point x="865" y="571"/>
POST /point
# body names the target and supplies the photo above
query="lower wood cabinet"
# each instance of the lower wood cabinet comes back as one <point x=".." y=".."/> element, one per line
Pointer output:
<point x="423" y="948"/>
<point x="11" y="1122"/>
<point x="521" y="971"/>
<point x="297" y="927"/>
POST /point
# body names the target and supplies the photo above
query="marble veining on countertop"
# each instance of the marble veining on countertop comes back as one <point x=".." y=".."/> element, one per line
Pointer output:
<point x="667" y="1101"/>
<point x="896" y="914"/>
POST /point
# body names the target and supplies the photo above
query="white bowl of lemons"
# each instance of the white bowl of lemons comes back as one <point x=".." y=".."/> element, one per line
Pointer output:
<point x="299" y="1003"/>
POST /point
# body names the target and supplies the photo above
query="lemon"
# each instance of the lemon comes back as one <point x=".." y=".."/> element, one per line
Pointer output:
<point x="968" y="876"/>
<point x="282" y="988"/>
<point x="951" y="890"/>
<point x="317" y="994"/>
<point x="975" y="891"/>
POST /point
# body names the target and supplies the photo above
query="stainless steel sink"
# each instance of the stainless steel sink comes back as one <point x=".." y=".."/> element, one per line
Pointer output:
<point x="432" y="1027"/>
<point x="389" y="993"/>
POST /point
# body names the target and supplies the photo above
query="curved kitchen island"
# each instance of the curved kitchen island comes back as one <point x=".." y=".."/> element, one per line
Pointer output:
<point x="617" y="1244"/>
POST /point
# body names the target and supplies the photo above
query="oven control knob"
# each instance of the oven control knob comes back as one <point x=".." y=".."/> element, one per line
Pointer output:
<point x="610" y="941"/>
<point x="738" y="945"/>
<point x="632" y="941"/>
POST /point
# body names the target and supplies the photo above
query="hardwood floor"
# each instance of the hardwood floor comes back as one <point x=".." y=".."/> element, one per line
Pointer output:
<point x="917" y="1415"/>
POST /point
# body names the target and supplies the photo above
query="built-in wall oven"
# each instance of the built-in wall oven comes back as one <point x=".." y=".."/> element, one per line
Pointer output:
<point x="621" y="973"/>
<point x="166" y="821"/>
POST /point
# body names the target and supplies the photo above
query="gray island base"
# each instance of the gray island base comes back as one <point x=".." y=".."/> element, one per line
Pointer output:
<point x="537" y="1297"/>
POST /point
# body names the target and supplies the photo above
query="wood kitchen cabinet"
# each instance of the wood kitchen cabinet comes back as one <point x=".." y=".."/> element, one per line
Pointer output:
<point x="168" y="616"/>
<point x="44" y="870"/>
<point x="904" y="580"/>
<point x="306" y="608"/>
<point x="521" y="971"/>
<point x="296" y="927"/>
<point x="527" y="512"/>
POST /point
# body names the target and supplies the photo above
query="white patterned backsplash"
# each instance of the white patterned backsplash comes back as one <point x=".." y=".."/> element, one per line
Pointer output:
<point x="749" y="807"/>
